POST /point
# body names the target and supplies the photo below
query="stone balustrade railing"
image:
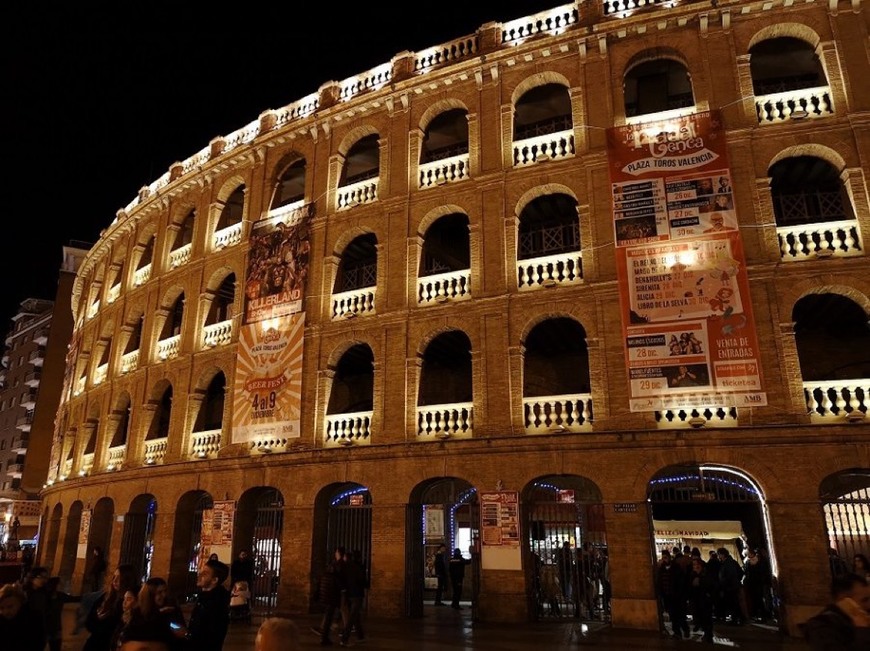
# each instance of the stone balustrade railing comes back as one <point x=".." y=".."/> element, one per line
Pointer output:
<point x="356" y="302"/>
<point x="142" y="275"/>
<point x="715" y="416"/>
<point x="538" y="149"/>
<point x="79" y="386"/>
<point x="155" y="451"/>
<point x="114" y="293"/>
<point x="93" y="309"/>
<point x="443" y="288"/>
<point x="552" y="21"/>
<point x="555" y="414"/>
<point x="454" y="420"/>
<point x="550" y="270"/>
<point x="116" y="455"/>
<point x="100" y="374"/>
<point x="217" y="334"/>
<point x="839" y="239"/>
<point x="661" y="116"/>
<point x="297" y="110"/>
<point x="446" y="170"/>
<point x="168" y="348"/>
<point x="438" y="55"/>
<point x="87" y="464"/>
<point x="353" y="428"/>
<point x="833" y="401"/>
<point x="373" y="79"/>
<point x="130" y="362"/>
<point x="180" y="256"/>
<point x="621" y="6"/>
<point x="354" y="194"/>
<point x="205" y="444"/>
<point x="229" y="236"/>
<point x="283" y="211"/>
<point x="800" y="104"/>
<point x="66" y="469"/>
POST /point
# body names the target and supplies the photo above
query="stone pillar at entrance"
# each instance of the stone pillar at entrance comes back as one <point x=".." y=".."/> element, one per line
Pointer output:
<point x="387" y="596"/>
<point x="633" y="603"/>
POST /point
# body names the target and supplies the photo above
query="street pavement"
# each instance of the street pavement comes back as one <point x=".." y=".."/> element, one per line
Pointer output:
<point x="444" y="629"/>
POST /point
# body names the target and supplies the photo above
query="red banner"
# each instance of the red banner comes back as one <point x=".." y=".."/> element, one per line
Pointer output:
<point x="690" y="338"/>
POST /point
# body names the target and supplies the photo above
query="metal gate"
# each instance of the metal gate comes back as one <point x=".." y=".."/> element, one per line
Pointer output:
<point x="846" y="505"/>
<point x="565" y="581"/>
<point x="350" y="525"/>
<point x="266" y="550"/>
<point x="415" y="560"/>
<point x="137" y="540"/>
<point x="205" y="502"/>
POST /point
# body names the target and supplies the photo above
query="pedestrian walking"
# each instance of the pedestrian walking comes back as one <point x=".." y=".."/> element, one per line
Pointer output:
<point x="330" y="588"/>
<point x="456" y="569"/>
<point x="355" y="585"/>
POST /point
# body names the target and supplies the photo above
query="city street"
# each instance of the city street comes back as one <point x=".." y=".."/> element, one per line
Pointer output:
<point x="444" y="629"/>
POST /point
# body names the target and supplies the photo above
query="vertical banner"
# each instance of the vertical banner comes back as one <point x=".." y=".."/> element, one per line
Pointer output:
<point x="221" y="522"/>
<point x="268" y="380"/>
<point x="84" y="533"/>
<point x="499" y="518"/>
<point x="205" y="533"/>
<point x="689" y="334"/>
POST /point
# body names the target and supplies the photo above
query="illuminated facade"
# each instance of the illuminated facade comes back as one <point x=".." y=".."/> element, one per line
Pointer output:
<point x="460" y="339"/>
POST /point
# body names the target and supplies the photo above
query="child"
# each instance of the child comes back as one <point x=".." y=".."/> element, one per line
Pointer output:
<point x="239" y="602"/>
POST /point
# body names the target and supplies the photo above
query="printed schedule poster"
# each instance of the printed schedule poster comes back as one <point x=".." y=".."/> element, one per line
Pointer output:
<point x="268" y="386"/>
<point x="499" y="519"/>
<point x="689" y="334"/>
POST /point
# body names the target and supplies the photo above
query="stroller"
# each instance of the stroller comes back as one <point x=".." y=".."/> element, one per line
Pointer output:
<point x="240" y="602"/>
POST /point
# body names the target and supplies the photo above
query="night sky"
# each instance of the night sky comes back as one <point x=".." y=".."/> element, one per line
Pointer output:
<point x="99" y="102"/>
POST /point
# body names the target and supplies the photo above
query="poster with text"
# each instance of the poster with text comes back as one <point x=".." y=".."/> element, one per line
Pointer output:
<point x="268" y="385"/>
<point x="277" y="265"/>
<point x="84" y="534"/>
<point x="499" y="518"/>
<point x="690" y="338"/>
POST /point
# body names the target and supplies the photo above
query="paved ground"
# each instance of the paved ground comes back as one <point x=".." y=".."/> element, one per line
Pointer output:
<point x="444" y="629"/>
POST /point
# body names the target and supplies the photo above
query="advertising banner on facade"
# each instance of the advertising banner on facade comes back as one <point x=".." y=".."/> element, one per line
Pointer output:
<point x="499" y="518"/>
<point x="277" y="265"/>
<point x="268" y="381"/>
<point x="84" y="534"/>
<point x="216" y="533"/>
<point x="689" y="334"/>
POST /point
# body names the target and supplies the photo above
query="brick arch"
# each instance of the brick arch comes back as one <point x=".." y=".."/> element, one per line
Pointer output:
<point x="220" y="274"/>
<point x="430" y="336"/>
<point x="778" y="30"/>
<point x="439" y="107"/>
<point x="543" y="317"/>
<point x="538" y="79"/>
<point x="361" y="339"/>
<point x="207" y="374"/>
<point x="230" y="185"/>
<point x="437" y="213"/>
<point x="170" y="295"/>
<point x="348" y="236"/>
<point x="796" y="291"/>
<point x="810" y="149"/>
<point x="353" y="136"/>
<point x="540" y="191"/>
<point x="655" y="53"/>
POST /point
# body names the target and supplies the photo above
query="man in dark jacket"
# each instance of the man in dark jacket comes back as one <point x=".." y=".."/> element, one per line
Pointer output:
<point x="730" y="583"/>
<point x="210" y="618"/>
<point x="355" y="585"/>
<point x="242" y="568"/>
<point x="844" y="624"/>
<point x="440" y="573"/>
<point x="671" y="585"/>
<point x="456" y="569"/>
<point x="330" y="593"/>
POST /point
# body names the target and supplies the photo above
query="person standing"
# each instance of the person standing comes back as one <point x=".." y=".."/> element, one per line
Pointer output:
<point x="757" y="582"/>
<point x="330" y="589"/>
<point x="844" y="624"/>
<point x="20" y="627"/>
<point x="355" y="585"/>
<point x="456" y="569"/>
<point x="730" y="583"/>
<point x="242" y="569"/>
<point x="701" y="588"/>
<point x="106" y="613"/>
<point x="441" y="567"/>
<point x="210" y="617"/>
<point x="671" y="585"/>
<point x="565" y="566"/>
<point x="97" y="569"/>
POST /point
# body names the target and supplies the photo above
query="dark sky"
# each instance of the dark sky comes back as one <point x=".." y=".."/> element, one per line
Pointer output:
<point x="98" y="102"/>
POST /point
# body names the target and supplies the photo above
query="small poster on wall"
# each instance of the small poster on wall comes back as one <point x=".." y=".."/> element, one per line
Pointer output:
<point x="499" y="518"/>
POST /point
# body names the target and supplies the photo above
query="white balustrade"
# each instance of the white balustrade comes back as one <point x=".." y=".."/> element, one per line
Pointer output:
<point x="453" y="420"/>
<point x="441" y="288"/>
<point x="299" y="109"/>
<point x="196" y="161"/>
<point x="839" y="239"/>
<point x="116" y="455"/>
<point x="242" y="136"/>
<point x="661" y="116"/>
<point x="87" y="464"/>
<point x="100" y="374"/>
<point x="217" y="334"/>
<point x="283" y="211"/>
<point x="114" y="293"/>
<point x="93" y="309"/>
<point x="716" y="416"/>
<point x="447" y="53"/>
<point x="168" y="348"/>
<point x="205" y="444"/>
<point x="80" y="386"/>
<point x="551" y="146"/>
<point x="142" y="275"/>
<point x="446" y="170"/>
<point x="837" y="400"/>
<point x="66" y="469"/>
<point x="375" y="78"/>
<point x="357" y="193"/>
<point x="130" y="362"/>
<point x="797" y="104"/>
<point x="229" y="236"/>
<point x="353" y="428"/>
<point x="356" y="302"/>
<point x="624" y="6"/>
<point x="552" y="21"/>
<point x="550" y="270"/>
<point x="554" y="414"/>
<point x="155" y="451"/>
<point x="180" y="256"/>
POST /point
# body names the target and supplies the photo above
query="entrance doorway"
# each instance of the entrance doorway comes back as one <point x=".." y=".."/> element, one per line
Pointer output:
<point x="137" y="538"/>
<point x="259" y="526"/>
<point x="565" y="547"/>
<point x="440" y="511"/>
<point x="845" y="498"/>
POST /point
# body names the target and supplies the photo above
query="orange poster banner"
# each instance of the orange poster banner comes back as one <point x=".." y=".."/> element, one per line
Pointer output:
<point x="690" y="338"/>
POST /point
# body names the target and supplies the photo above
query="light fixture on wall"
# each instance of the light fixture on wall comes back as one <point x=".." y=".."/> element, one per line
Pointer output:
<point x="855" y="416"/>
<point x="799" y="114"/>
<point x="697" y="422"/>
<point x="345" y="442"/>
<point x="824" y="253"/>
<point x="442" y="435"/>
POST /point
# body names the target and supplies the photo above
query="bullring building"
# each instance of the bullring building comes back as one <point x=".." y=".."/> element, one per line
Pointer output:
<point x="594" y="276"/>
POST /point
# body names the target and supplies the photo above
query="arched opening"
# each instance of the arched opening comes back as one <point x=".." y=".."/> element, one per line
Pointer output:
<point x="233" y="210"/>
<point x="656" y="86"/>
<point x="137" y="538"/>
<point x="211" y="411"/>
<point x="359" y="265"/>
<point x="70" y="543"/>
<point x="159" y="427"/>
<point x="446" y="136"/>
<point x="444" y="511"/>
<point x="291" y="185"/>
<point x="565" y="550"/>
<point x="845" y="498"/>
<point x="259" y="526"/>
<point x="542" y="110"/>
<point x="342" y="518"/>
<point x="100" y="532"/>
<point x="222" y="301"/>
<point x="362" y="161"/>
<point x="174" y="319"/>
<point x="187" y="542"/>
<point x="353" y="382"/>
<point x="785" y="63"/>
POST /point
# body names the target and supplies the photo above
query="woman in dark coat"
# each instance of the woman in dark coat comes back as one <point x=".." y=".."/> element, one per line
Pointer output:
<point x="104" y="618"/>
<point x="21" y="628"/>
